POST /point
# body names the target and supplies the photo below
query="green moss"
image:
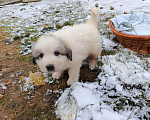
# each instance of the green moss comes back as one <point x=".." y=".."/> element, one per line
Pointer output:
<point x="108" y="52"/>
<point x="48" y="28"/>
<point x="22" y="58"/>
<point x="30" y="59"/>
<point x="99" y="63"/>
<point x="67" y="23"/>
<point x="58" y="26"/>
<point x="107" y="18"/>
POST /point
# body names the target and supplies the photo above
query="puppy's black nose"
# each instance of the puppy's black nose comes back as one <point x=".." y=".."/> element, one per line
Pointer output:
<point x="50" y="67"/>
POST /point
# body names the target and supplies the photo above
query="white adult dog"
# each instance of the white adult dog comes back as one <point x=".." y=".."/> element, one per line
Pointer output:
<point x="67" y="48"/>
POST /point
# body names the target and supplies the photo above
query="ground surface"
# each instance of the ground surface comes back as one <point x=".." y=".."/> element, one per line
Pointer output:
<point x="21" y="105"/>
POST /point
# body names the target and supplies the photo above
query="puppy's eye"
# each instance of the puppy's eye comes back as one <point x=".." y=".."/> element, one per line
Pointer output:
<point x="56" y="53"/>
<point x="41" y="55"/>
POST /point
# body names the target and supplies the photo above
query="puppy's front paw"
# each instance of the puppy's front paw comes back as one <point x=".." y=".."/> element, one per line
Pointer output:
<point x="56" y="75"/>
<point x="70" y="82"/>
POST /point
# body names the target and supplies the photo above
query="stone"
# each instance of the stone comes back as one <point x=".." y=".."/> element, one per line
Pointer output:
<point x="1" y="96"/>
<point x="2" y="92"/>
<point x="8" y="83"/>
<point x="96" y="5"/>
<point x="111" y="8"/>
<point x="22" y="9"/>
<point x="32" y="105"/>
<point x="19" y="73"/>
<point x="12" y="76"/>
<point x="55" y="91"/>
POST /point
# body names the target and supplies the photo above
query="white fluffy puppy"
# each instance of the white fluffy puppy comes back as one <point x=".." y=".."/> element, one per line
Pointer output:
<point x="67" y="48"/>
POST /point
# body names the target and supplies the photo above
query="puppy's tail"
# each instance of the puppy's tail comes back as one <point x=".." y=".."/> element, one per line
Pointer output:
<point x="94" y="16"/>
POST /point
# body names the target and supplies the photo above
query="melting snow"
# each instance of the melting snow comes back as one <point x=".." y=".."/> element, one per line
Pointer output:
<point x="111" y="97"/>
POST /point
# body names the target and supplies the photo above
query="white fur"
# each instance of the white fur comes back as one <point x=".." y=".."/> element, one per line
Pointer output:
<point x="83" y="40"/>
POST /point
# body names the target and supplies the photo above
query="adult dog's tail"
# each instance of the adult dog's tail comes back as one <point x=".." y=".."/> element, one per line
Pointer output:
<point x="94" y="16"/>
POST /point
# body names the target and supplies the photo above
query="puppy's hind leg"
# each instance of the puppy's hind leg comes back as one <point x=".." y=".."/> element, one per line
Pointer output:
<point x="92" y="60"/>
<point x="74" y="72"/>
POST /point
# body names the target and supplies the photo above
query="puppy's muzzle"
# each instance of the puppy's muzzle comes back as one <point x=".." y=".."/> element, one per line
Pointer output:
<point x="50" y="68"/>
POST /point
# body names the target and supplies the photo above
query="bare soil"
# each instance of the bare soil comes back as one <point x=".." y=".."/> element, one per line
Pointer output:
<point x="34" y="104"/>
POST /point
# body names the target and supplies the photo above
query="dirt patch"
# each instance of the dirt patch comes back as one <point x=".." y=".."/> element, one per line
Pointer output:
<point x="33" y="104"/>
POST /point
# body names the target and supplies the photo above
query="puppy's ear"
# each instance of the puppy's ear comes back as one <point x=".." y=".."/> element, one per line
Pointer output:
<point x="63" y="47"/>
<point x="69" y="54"/>
<point x="34" y="61"/>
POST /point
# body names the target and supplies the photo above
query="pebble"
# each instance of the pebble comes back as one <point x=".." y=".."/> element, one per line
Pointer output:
<point x="1" y="96"/>
<point x="19" y="73"/>
<point x="2" y="92"/>
<point x="22" y="9"/>
<point x="8" y="83"/>
<point x="111" y="8"/>
<point x="96" y="5"/>
<point x="55" y="91"/>
<point x="12" y="75"/>
<point x="32" y="105"/>
<point x="12" y="118"/>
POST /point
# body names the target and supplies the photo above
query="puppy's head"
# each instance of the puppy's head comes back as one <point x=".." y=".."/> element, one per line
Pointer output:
<point x="50" y="54"/>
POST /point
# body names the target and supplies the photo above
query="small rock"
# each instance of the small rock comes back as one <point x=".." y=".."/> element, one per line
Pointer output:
<point x="13" y="118"/>
<point x="2" y="92"/>
<point x="125" y="13"/>
<point x="111" y="8"/>
<point x="57" y="11"/>
<point x="32" y="105"/>
<point x="1" y="96"/>
<point x="6" y="53"/>
<point x="19" y="73"/>
<point x="12" y="75"/>
<point x="8" y="83"/>
<point x="16" y="88"/>
<point x="96" y="5"/>
<point x="41" y="18"/>
<point x="55" y="91"/>
<point x="22" y="78"/>
<point x="22" y="9"/>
